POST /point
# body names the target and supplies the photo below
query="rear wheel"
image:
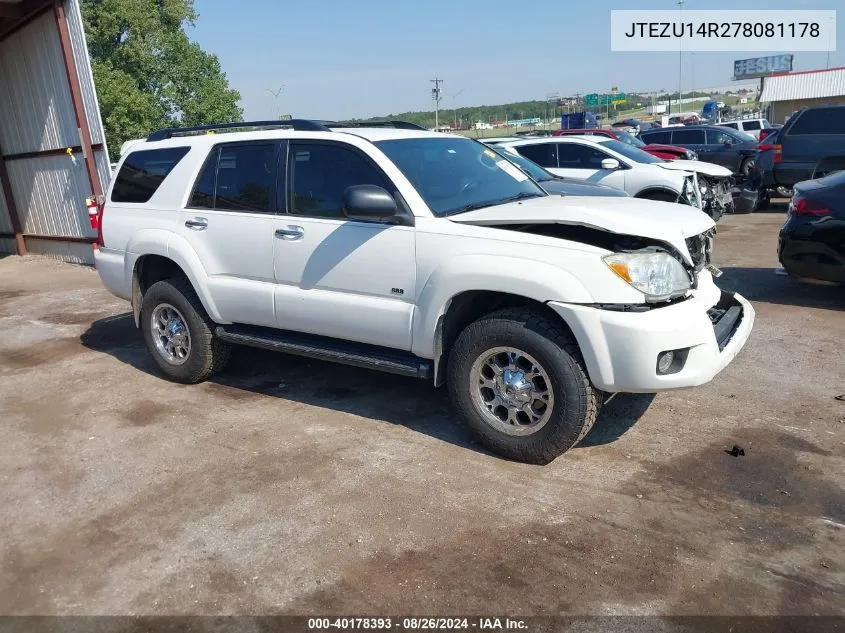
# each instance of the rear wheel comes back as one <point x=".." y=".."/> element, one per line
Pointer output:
<point x="179" y="334"/>
<point x="519" y="382"/>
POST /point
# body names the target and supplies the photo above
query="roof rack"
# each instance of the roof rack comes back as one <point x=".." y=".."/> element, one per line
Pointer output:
<point x="400" y="125"/>
<point x="300" y="125"/>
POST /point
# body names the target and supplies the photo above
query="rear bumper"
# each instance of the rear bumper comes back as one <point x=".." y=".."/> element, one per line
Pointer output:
<point x="621" y="349"/>
<point x="110" y="265"/>
<point x="804" y="252"/>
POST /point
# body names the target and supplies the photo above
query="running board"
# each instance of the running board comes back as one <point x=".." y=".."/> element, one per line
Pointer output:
<point x="324" y="348"/>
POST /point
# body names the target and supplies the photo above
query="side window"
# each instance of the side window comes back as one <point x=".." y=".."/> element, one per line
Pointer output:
<point x="661" y="137"/>
<point x="733" y="126"/>
<point x="203" y="195"/>
<point x="541" y="153"/>
<point x="751" y="125"/>
<point x="142" y="173"/>
<point x="320" y="174"/>
<point x="688" y="137"/>
<point x="715" y="137"/>
<point x="246" y="177"/>
<point x="820" y="121"/>
<point x="573" y="156"/>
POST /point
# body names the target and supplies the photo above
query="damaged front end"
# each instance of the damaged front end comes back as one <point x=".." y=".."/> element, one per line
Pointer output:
<point x="716" y="196"/>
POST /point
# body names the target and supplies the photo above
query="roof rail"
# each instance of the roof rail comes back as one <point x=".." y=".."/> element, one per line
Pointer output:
<point x="400" y="125"/>
<point x="300" y="125"/>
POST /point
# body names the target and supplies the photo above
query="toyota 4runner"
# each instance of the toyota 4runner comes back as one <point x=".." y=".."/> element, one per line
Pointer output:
<point x="423" y="254"/>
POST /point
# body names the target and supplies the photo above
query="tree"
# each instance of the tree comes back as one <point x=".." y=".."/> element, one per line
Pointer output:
<point x="148" y="73"/>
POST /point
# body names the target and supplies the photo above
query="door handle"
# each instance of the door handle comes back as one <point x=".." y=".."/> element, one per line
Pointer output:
<point x="290" y="233"/>
<point x="197" y="224"/>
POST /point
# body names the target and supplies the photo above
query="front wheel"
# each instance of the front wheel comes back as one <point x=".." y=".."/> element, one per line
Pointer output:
<point x="519" y="382"/>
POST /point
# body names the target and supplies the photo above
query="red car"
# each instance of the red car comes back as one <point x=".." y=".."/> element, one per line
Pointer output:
<point x="668" y="152"/>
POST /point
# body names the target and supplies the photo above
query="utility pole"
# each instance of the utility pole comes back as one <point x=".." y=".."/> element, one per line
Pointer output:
<point x="680" y="50"/>
<point x="435" y="94"/>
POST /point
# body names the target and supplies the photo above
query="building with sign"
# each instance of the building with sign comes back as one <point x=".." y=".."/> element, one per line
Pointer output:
<point x="788" y="92"/>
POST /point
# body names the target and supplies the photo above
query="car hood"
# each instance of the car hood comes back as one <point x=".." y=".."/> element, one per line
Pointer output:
<point x="698" y="166"/>
<point x="568" y="187"/>
<point x="663" y="221"/>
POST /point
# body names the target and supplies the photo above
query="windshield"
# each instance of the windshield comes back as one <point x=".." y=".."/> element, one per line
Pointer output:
<point x="527" y="165"/>
<point x="634" y="153"/>
<point x="629" y="139"/>
<point x="456" y="174"/>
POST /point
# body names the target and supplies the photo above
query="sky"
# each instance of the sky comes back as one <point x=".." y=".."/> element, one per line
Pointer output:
<point x="336" y="59"/>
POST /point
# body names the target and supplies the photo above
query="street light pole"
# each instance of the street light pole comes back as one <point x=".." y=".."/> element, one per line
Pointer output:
<point x="680" y="50"/>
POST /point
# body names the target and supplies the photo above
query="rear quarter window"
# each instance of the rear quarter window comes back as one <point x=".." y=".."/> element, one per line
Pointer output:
<point x="142" y="173"/>
<point x="819" y="121"/>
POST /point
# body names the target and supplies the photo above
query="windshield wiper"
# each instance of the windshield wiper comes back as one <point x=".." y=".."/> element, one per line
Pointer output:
<point x="493" y="203"/>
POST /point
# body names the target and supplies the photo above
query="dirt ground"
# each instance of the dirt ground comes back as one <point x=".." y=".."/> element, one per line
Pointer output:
<point x="295" y="486"/>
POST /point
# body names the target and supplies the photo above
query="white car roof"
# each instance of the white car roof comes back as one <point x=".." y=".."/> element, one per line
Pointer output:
<point x="567" y="138"/>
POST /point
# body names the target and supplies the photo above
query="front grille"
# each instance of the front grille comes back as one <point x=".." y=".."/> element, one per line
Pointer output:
<point x="701" y="248"/>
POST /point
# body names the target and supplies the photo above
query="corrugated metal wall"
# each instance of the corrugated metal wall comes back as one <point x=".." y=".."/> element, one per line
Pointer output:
<point x="36" y="111"/>
<point x="86" y="81"/>
<point x="37" y="115"/>
<point x="5" y="220"/>
<point x="50" y="193"/>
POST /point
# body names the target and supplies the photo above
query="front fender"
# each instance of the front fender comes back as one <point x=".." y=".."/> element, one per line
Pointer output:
<point x="538" y="281"/>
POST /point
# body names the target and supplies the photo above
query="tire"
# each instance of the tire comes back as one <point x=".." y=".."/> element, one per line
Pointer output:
<point x="175" y="302"/>
<point x="543" y="344"/>
<point x="746" y="167"/>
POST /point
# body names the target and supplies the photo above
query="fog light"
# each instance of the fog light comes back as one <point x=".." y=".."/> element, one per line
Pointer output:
<point x="664" y="362"/>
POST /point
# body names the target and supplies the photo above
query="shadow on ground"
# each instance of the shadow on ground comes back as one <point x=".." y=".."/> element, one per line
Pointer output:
<point x="412" y="403"/>
<point x="764" y="284"/>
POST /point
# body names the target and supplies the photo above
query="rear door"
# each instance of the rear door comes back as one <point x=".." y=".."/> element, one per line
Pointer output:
<point x="338" y="277"/>
<point x="229" y="221"/>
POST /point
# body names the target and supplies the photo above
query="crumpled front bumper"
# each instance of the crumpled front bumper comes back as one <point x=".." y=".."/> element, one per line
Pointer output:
<point x="621" y="349"/>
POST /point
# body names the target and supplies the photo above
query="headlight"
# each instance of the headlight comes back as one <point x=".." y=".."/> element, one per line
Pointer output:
<point x="691" y="155"/>
<point x="658" y="276"/>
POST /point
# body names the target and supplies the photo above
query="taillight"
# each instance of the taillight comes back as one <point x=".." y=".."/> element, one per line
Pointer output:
<point x="764" y="147"/>
<point x="778" y="155"/>
<point x="93" y="212"/>
<point x="802" y="206"/>
<point x="101" y="208"/>
<point x="763" y="135"/>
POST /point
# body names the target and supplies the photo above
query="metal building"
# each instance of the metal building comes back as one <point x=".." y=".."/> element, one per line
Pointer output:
<point x="52" y="145"/>
<point x="789" y="92"/>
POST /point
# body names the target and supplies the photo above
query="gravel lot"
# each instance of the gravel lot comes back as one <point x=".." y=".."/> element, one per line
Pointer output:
<point x="294" y="486"/>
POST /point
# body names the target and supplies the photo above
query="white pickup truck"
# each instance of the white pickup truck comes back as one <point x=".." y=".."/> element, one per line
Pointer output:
<point x="418" y="253"/>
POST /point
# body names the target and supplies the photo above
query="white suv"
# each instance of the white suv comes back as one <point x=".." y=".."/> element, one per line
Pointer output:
<point x="418" y="253"/>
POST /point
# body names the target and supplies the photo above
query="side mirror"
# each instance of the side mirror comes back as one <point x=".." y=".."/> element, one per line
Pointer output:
<point x="369" y="203"/>
<point x="609" y="163"/>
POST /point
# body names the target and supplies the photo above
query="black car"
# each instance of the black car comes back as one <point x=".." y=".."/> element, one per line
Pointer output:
<point x="714" y="144"/>
<point x="811" y="143"/>
<point x="811" y="244"/>
<point x="556" y="184"/>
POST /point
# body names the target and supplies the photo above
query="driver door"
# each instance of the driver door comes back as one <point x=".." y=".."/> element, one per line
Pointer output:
<point x="338" y="277"/>
<point x="584" y="163"/>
